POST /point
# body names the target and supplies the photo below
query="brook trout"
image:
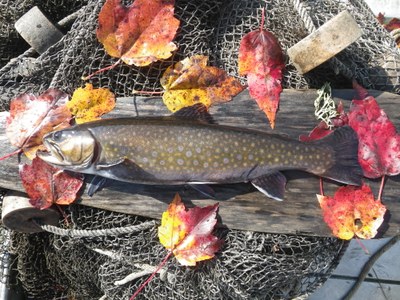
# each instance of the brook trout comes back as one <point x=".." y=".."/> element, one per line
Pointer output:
<point x="180" y="150"/>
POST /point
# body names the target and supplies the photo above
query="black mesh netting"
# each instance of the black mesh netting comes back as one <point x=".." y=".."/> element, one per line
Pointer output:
<point x="251" y="265"/>
<point x="11" y="44"/>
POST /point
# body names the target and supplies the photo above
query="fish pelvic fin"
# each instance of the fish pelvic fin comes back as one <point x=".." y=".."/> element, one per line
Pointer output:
<point x="346" y="168"/>
<point x="272" y="185"/>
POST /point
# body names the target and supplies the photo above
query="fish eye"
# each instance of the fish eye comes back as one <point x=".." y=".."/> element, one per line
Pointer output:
<point x="57" y="136"/>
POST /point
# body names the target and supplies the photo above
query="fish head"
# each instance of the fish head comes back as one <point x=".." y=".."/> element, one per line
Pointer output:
<point x="69" y="149"/>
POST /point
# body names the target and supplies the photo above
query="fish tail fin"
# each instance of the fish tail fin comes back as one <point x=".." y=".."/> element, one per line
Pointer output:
<point x="346" y="169"/>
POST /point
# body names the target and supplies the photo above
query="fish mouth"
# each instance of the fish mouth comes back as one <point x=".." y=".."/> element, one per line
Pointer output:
<point x="53" y="155"/>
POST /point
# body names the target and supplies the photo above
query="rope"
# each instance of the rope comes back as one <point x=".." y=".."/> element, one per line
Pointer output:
<point x="79" y="233"/>
<point x="368" y="265"/>
<point x="304" y="15"/>
<point x="71" y="18"/>
<point x="334" y="63"/>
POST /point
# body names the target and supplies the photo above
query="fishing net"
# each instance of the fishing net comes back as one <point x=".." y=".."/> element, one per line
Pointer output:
<point x="212" y="28"/>
<point x="11" y="43"/>
<point x="251" y="265"/>
<point x="112" y="264"/>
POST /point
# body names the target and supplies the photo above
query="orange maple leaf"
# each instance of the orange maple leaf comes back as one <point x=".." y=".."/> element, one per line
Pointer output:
<point x="353" y="211"/>
<point x="88" y="104"/>
<point x="261" y="60"/>
<point x="187" y="233"/>
<point x="191" y="81"/>
<point x="139" y="34"/>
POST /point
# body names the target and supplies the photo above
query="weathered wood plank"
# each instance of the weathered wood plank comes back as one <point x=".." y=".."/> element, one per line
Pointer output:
<point x="241" y="206"/>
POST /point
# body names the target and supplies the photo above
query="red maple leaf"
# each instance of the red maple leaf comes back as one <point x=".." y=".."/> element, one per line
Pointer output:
<point x="379" y="142"/>
<point x="261" y="59"/>
<point x="353" y="211"/>
<point x="47" y="185"/>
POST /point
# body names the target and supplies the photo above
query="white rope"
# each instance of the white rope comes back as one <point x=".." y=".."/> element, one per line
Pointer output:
<point x="78" y="233"/>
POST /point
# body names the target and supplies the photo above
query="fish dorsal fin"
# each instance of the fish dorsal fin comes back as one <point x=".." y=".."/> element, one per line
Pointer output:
<point x="272" y="185"/>
<point x="198" y="111"/>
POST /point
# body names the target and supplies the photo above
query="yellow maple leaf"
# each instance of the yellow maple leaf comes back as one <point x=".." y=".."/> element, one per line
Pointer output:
<point x="88" y="104"/>
<point x="191" y="81"/>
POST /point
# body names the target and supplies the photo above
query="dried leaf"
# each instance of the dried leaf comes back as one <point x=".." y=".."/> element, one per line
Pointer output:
<point x="379" y="142"/>
<point x="139" y="34"/>
<point x="352" y="211"/>
<point x="88" y="104"/>
<point x="32" y="117"/>
<point x="261" y="60"/>
<point x="46" y="185"/>
<point x="191" y="81"/>
<point x="392" y="25"/>
<point x="188" y="233"/>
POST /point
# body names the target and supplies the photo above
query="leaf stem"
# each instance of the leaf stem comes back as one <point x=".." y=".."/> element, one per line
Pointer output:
<point x="362" y="245"/>
<point x="262" y="18"/>
<point x="321" y="186"/>
<point x="151" y="276"/>
<point x="64" y="215"/>
<point x="11" y="154"/>
<point x="381" y="188"/>
<point x="102" y="70"/>
<point x="135" y="92"/>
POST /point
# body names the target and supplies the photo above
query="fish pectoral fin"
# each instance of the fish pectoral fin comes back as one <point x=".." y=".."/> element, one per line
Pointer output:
<point x="197" y="111"/>
<point x="124" y="170"/>
<point x="104" y="165"/>
<point x="97" y="184"/>
<point x="204" y="189"/>
<point x="271" y="184"/>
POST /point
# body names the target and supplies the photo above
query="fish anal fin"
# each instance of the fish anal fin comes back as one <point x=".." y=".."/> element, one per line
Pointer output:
<point x="198" y="111"/>
<point x="204" y="189"/>
<point x="271" y="184"/>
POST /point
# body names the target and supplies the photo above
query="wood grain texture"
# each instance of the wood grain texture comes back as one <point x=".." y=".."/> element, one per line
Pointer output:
<point x="241" y="206"/>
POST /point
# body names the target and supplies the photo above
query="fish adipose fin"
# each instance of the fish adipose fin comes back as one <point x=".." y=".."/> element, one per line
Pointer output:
<point x="197" y="111"/>
<point x="346" y="168"/>
<point x="272" y="185"/>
